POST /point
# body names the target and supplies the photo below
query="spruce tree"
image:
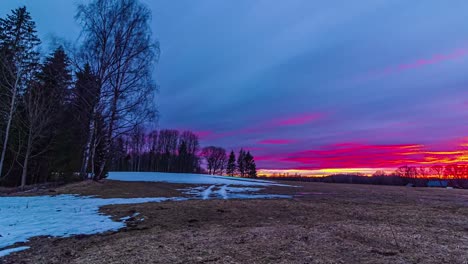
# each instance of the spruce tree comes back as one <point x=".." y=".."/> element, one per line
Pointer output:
<point x="251" y="168"/>
<point x="241" y="163"/>
<point x="231" y="166"/>
<point x="183" y="158"/>
<point x="44" y="103"/>
<point x="19" y="61"/>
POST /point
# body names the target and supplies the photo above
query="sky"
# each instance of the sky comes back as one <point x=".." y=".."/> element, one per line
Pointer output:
<point x="307" y="86"/>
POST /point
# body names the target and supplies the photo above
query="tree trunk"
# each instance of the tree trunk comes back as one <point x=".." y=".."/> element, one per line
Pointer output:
<point x="8" y="127"/>
<point x="26" y="161"/>
<point x="108" y="140"/>
<point x="87" y="150"/>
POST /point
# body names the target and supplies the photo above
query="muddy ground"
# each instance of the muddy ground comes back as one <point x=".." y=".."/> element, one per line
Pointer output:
<point x="323" y="223"/>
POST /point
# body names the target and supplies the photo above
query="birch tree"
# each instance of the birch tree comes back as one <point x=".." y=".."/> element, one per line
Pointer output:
<point x="118" y="45"/>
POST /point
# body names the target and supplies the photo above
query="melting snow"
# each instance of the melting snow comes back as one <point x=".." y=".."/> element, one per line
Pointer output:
<point x="188" y="178"/>
<point x="65" y="215"/>
<point x="11" y="250"/>
<point x="226" y="192"/>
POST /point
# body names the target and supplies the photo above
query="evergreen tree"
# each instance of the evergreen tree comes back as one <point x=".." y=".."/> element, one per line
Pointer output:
<point x="231" y="166"/>
<point x="241" y="167"/>
<point x="182" y="158"/>
<point x="251" y="168"/>
<point x="19" y="60"/>
<point x="44" y="104"/>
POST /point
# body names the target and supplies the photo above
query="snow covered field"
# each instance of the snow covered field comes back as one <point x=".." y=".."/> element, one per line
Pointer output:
<point x="186" y="178"/>
<point x="64" y="215"/>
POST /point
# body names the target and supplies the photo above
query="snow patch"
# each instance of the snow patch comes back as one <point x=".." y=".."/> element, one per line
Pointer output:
<point x="186" y="178"/>
<point x="11" y="250"/>
<point x="22" y="218"/>
<point x="125" y="218"/>
<point x="223" y="192"/>
<point x="64" y="215"/>
<point x="226" y="192"/>
<point x="205" y="194"/>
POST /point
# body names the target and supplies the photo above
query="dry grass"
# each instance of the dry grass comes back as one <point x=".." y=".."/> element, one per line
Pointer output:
<point x="324" y="223"/>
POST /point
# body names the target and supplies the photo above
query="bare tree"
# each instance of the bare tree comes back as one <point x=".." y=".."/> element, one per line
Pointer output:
<point x="138" y="143"/>
<point x="39" y="117"/>
<point x="408" y="172"/>
<point x="167" y="147"/>
<point x="117" y="43"/>
<point x="438" y="172"/>
<point x="216" y="159"/>
<point x="42" y="104"/>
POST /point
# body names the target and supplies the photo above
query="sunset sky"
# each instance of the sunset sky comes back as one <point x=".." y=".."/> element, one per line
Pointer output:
<point x="307" y="86"/>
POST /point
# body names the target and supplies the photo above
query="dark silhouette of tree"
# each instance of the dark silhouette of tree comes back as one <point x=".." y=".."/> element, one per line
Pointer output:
<point x="408" y="173"/>
<point x="19" y="60"/>
<point x="231" y="165"/>
<point x="251" y="168"/>
<point x="188" y="148"/>
<point x="85" y="99"/>
<point x="183" y="158"/>
<point x="241" y="166"/>
<point x="44" y="102"/>
<point x="216" y="159"/>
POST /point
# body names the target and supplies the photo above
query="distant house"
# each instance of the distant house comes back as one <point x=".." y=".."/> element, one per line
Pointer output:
<point x="437" y="183"/>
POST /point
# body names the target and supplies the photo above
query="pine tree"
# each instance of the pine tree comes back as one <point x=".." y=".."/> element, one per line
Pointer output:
<point x="251" y="167"/>
<point x="44" y="104"/>
<point x="231" y="166"/>
<point x="241" y="163"/>
<point x="19" y="60"/>
<point x="182" y="158"/>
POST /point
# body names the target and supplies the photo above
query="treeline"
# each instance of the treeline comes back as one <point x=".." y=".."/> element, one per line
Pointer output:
<point x="454" y="175"/>
<point x="162" y="151"/>
<point x="218" y="163"/>
<point x="62" y="115"/>
<point x="173" y="151"/>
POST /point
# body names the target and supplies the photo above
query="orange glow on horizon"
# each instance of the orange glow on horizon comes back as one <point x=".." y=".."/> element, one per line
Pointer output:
<point x="322" y="172"/>
<point x="366" y="159"/>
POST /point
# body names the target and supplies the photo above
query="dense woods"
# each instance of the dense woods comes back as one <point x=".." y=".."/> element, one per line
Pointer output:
<point x="80" y="111"/>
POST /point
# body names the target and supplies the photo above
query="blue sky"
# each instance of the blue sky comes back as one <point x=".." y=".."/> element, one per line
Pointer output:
<point x="284" y="78"/>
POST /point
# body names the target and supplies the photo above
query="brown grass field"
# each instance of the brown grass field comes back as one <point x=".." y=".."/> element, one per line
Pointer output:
<point x="323" y="223"/>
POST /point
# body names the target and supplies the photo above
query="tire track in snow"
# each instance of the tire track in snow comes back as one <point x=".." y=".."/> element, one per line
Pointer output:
<point x="223" y="192"/>
<point x="207" y="192"/>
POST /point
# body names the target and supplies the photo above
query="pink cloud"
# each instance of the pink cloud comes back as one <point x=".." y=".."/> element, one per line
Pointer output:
<point x="435" y="59"/>
<point x="204" y="134"/>
<point x="298" y="120"/>
<point x="267" y="126"/>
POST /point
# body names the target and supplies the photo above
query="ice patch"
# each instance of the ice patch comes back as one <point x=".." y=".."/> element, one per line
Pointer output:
<point x="11" y="250"/>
